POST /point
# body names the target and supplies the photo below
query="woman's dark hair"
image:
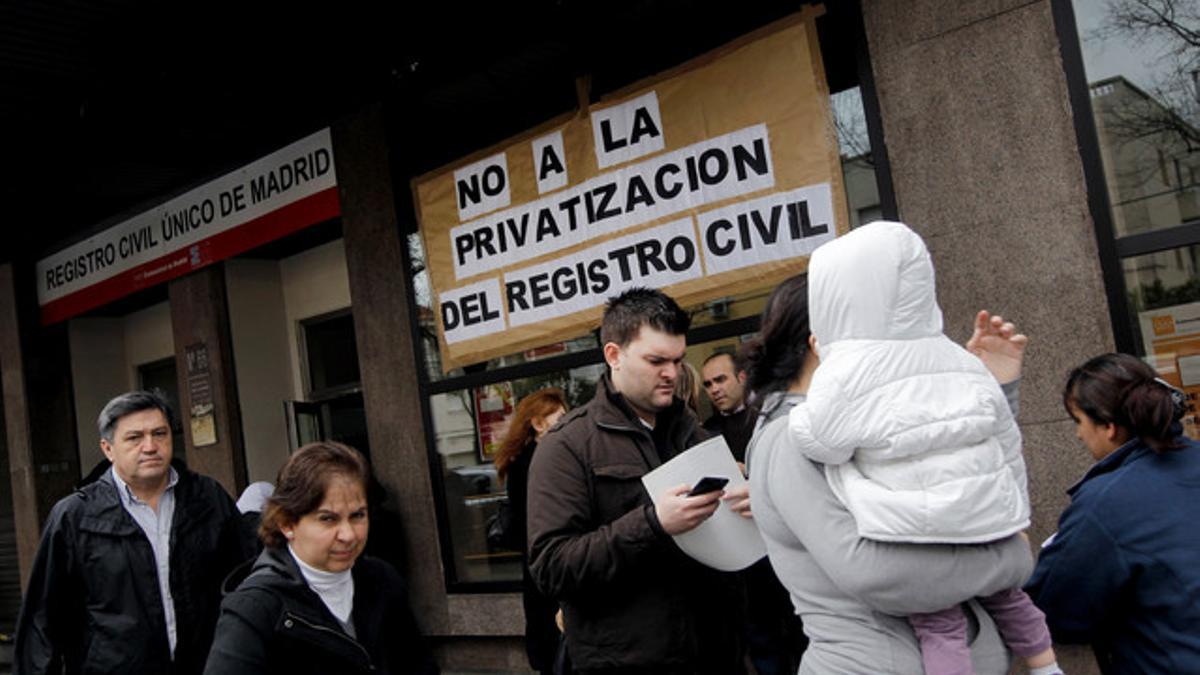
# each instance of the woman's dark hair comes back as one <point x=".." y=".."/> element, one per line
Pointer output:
<point x="521" y="433"/>
<point x="1121" y="389"/>
<point x="301" y="485"/>
<point x="774" y="357"/>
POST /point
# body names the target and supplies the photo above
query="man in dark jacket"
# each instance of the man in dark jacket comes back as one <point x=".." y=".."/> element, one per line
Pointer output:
<point x="632" y="601"/>
<point x="774" y="635"/>
<point x="725" y="385"/>
<point x="127" y="577"/>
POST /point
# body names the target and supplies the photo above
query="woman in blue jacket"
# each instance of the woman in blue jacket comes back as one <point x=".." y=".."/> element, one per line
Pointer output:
<point x="1123" y="570"/>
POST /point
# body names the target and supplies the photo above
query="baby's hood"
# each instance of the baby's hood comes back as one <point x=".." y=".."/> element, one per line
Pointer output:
<point x="873" y="283"/>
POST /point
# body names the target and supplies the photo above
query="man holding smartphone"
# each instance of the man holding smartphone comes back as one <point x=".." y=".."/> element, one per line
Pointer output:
<point x="633" y="603"/>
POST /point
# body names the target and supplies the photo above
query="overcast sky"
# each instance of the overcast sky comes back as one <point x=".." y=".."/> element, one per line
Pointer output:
<point x="1108" y="58"/>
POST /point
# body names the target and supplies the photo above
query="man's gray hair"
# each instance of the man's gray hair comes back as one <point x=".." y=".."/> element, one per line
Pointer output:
<point x="131" y="402"/>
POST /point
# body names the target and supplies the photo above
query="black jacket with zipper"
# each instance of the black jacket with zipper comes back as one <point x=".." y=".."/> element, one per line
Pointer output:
<point x="275" y="623"/>
<point x="630" y="596"/>
<point x="93" y="603"/>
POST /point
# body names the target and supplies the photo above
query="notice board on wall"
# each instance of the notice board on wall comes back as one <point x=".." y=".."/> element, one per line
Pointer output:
<point x="719" y="177"/>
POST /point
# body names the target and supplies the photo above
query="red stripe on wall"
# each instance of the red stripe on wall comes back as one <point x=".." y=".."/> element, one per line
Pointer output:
<point x="279" y="223"/>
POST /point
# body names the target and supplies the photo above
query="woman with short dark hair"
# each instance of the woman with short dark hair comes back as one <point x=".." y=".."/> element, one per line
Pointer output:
<point x="311" y="604"/>
<point x="1123" y="570"/>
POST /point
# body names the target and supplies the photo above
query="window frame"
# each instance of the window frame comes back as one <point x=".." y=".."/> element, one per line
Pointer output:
<point x="328" y="393"/>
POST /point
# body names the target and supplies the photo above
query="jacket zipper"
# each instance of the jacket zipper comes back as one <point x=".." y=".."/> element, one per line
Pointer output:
<point x="289" y="617"/>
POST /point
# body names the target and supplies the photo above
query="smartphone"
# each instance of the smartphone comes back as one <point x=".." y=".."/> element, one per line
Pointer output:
<point x="708" y="484"/>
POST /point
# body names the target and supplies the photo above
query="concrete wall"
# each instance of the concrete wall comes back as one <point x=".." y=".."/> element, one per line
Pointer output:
<point x="105" y="355"/>
<point x="99" y="371"/>
<point x="985" y="164"/>
<point x="148" y="337"/>
<point x="314" y="282"/>
<point x="261" y="361"/>
<point x="39" y="418"/>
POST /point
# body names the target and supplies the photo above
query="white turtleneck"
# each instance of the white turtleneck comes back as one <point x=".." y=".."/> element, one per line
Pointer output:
<point x="336" y="590"/>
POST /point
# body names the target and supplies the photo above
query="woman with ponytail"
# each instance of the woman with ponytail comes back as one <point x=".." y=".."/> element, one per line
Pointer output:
<point x="1123" y="570"/>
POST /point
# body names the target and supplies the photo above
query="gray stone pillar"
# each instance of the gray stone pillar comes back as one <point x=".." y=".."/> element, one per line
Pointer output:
<point x="210" y="413"/>
<point x="39" y="412"/>
<point x="379" y="292"/>
<point x="986" y="166"/>
<point x="388" y="358"/>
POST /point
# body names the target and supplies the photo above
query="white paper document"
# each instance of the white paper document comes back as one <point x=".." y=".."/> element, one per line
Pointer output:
<point x="726" y="541"/>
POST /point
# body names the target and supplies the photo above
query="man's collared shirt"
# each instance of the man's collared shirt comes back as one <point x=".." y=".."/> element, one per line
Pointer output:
<point x="157" y="527"/>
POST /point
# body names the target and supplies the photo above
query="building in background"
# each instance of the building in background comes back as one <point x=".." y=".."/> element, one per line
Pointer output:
<point x="317" y="315"/>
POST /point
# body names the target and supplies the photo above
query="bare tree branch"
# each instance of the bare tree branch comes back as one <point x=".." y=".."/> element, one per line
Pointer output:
<point x="851" y="126"/>
<point x="1175" y="22"/>
<point x="1172" y="27"/>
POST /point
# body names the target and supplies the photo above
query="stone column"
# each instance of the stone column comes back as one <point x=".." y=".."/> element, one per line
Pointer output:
<point x="39" y="412"/>
<point x="389" y="359"/>
<point x="210" y="413"/>
<point x="986" y="166"/>
<point x="379" y="292"/>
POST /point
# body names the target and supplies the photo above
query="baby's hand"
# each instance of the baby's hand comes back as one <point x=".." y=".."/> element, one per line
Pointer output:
<point x="998" y="344"/>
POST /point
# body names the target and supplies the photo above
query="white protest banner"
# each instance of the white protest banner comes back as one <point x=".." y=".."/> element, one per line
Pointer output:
<point x="780" y="226"/>
<point x="728" y="164"/>
<point x="472" y="311"/>
<point x="286" y="191"/>
<point x="658" y="257"/>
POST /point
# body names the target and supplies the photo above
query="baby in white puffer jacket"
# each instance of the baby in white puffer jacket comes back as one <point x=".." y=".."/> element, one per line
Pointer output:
<point x="915" y="434"/>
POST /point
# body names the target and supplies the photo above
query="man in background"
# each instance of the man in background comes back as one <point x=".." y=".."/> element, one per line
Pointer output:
<point x="725" y="385"/>
<point x="774" y="635"/>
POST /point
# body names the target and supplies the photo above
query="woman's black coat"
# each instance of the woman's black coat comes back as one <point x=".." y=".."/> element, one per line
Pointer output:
<point x="275" y="623"/>
<point x="541" y="633"/>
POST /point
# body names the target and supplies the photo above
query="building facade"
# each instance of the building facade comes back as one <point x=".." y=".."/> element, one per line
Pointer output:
<point x="972" y="122"/>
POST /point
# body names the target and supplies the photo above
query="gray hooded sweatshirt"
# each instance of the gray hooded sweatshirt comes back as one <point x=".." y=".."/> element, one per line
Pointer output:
<point x="852" y="593"/>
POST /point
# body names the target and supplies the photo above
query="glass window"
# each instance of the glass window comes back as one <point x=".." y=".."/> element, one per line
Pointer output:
<point x="1150" y="171"/>
<point x="1164" y="299"/>
<point x="468" y="407"/>
<point x="331" y="353"/>
<point x="1143" y="82"/>
<point x="858" y="165"/>
<point x="468" y="426"/>
<point x="1142" y="76"/>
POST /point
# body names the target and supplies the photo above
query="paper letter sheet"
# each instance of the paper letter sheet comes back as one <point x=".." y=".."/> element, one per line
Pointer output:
<point x="726" y="541"/>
